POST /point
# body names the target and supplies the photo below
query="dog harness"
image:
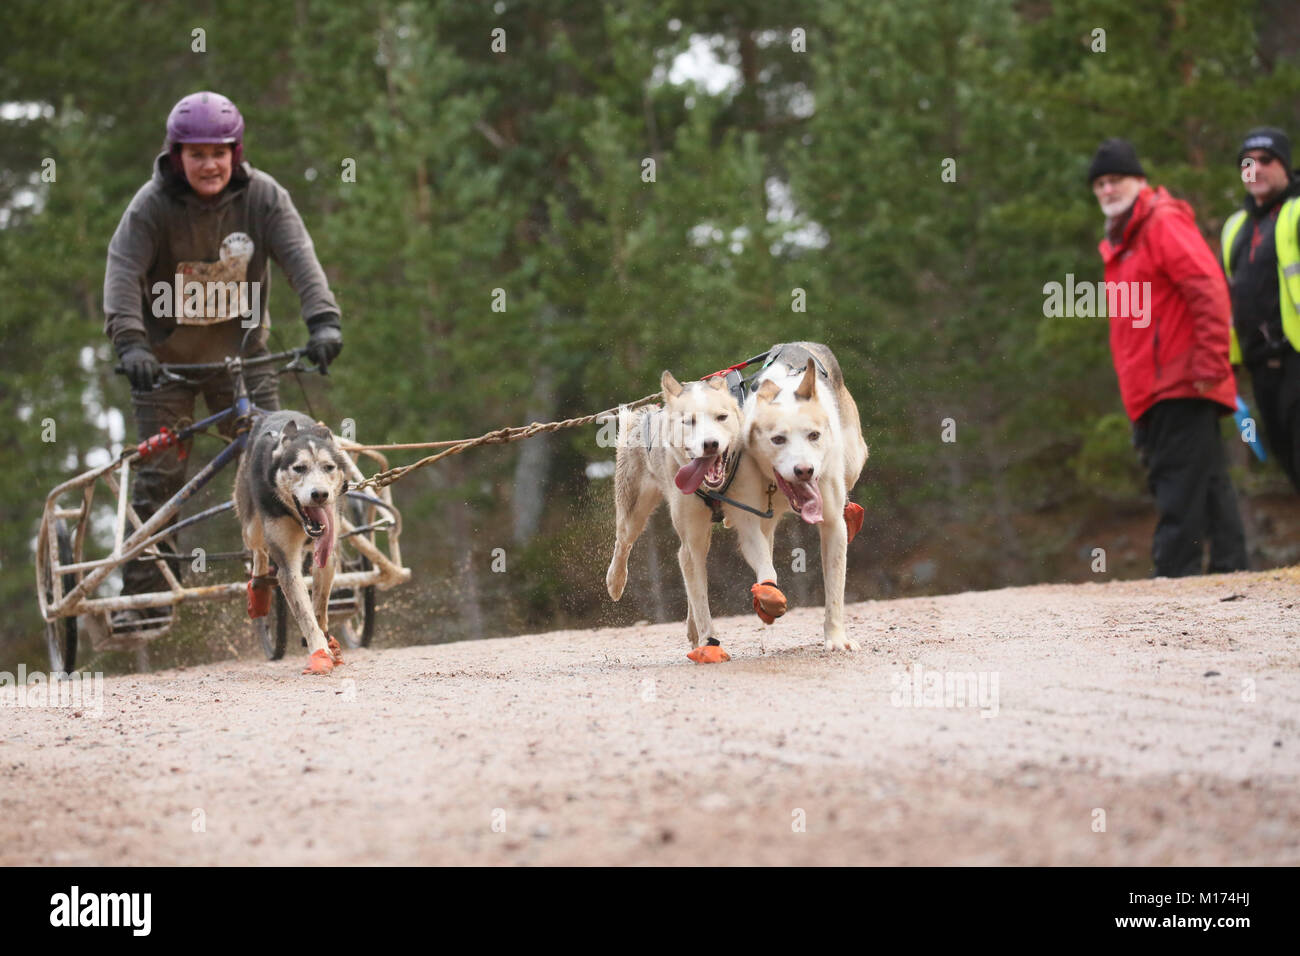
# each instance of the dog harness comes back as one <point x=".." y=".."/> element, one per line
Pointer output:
<point x="793" y="367"/>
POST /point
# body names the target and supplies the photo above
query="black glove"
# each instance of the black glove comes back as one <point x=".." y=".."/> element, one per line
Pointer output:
<point x="326" y="340"/>
<point x="142" y="368"/>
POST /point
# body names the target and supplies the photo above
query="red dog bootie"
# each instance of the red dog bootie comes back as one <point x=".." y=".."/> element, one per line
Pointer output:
<point x="769" y="602"/>
<point x="336" y="651"/>
<point x="853" y="515"/>
<point x="259" y="597"/>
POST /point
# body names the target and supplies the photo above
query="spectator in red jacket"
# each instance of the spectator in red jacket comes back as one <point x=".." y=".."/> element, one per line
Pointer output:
<point x="1170" y="348"/>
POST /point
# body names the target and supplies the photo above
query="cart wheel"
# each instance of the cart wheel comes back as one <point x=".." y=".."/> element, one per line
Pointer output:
<point x="365" y="616"/>
<point x="359" y="627"/>
<point x="273" y="629"/>
<point x="61" y="633"/>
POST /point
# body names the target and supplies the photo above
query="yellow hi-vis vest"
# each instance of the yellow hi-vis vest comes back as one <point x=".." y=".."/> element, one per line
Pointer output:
<point x="1288" y="269"/>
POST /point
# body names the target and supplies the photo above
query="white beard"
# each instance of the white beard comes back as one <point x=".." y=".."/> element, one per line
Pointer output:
<point x="1117" y="207"/>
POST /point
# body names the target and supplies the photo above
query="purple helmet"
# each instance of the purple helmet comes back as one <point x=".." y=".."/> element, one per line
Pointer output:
<point x="204" y="118"/>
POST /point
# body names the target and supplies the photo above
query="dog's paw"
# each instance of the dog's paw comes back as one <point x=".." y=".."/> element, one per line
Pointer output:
<point x="319" y="663"/>
<point x="336" y="650"/>
<point x="841" y="644"/>
<point x="615" y="582"/>
<point x="769" y="602"/>
<point x="709" y="654"/>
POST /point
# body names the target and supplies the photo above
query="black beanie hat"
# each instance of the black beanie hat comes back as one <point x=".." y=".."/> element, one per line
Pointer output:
<point x="1268" y="138"/>
<point x="1115" y="156"/>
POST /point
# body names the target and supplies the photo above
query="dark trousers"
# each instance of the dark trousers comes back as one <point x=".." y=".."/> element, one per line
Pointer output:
<point x="1187" y="471"/>
<point x="1277" y="405"/>
<point x="163" y="474"/>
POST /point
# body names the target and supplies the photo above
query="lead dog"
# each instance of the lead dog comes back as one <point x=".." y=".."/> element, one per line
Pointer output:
<point x="670" y="452"/>
<point x="290" y="479"/>
<point x="803" y="437"/>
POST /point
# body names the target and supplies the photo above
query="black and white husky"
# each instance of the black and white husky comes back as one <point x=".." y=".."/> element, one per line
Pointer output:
<point x="287" y="490"/>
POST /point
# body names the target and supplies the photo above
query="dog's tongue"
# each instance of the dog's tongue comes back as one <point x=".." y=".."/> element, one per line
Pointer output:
<point x="691" y="475"/>
<point x="325" y="543"/>
<point x="811" y="511"/>
<point x="804" y="497"/>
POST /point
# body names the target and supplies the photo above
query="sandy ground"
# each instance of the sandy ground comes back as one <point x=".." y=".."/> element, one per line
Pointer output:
<point x="1155" y="708"/>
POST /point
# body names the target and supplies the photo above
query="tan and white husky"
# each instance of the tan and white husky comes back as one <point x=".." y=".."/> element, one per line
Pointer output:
<point x="670" y="452"/>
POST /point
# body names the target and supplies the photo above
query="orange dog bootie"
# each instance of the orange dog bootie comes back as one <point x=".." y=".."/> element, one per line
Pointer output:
<point x="769" y="602"/>
<point x="711" y="653"/>
<point x="319" y="663"/>
<point x="853" y="515"/>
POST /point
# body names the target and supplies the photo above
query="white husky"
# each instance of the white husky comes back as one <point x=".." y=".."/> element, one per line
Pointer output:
<point x="802" y="437"/>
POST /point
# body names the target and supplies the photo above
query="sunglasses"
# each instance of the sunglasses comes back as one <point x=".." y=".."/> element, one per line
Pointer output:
<point x="1267" y="159"/>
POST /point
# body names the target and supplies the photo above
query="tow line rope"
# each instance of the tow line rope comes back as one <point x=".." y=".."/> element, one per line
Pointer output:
<point x="501" y="436"/>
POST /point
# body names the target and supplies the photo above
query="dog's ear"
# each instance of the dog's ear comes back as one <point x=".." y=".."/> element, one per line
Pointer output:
<point x="719" y="382"/>
<point x="289" y="434"/>
<point x="321" y="430"/>
<point x="672" y="388"/>
<point x="768" y="391"/>
<point x="807" y="388"/>
<point x="341" y="462"/>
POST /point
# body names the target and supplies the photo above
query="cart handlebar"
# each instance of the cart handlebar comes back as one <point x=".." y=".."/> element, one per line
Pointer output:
<point x="173" y="372"/>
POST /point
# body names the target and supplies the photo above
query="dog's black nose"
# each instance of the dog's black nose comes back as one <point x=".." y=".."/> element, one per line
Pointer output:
<point x="320" y="496"/>
<point x="711" y="447"/>
<point x="802" y="473"/>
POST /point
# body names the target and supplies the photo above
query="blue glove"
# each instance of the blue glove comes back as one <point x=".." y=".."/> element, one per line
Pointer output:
<point x="1240" y="417"/>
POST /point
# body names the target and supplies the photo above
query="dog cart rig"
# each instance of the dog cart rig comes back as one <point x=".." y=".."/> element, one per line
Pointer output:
<point x="68" y="585"/>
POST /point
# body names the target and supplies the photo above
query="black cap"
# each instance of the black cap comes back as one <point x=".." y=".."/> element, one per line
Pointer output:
<point x="1268" y="138"/>
<point x="1115" y="156"/>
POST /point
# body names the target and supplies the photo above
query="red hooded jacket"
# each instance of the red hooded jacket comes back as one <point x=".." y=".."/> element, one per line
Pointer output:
<point x="1182" y="337"/>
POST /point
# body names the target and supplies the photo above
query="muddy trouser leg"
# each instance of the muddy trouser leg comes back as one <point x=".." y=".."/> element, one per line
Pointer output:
<point x="1227" y="536"/>
<point x="262" y="383"/>
<point x="219" y="394"/>
<point x="157" y="478"/>
<point x="1178" y="432"/>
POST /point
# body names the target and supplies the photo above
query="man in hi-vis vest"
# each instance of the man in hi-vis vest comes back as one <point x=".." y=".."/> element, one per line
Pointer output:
<point x="1261" y="256"/>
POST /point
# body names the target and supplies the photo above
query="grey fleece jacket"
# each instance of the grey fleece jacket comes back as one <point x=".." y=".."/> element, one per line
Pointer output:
<point x="168" y="230"/>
